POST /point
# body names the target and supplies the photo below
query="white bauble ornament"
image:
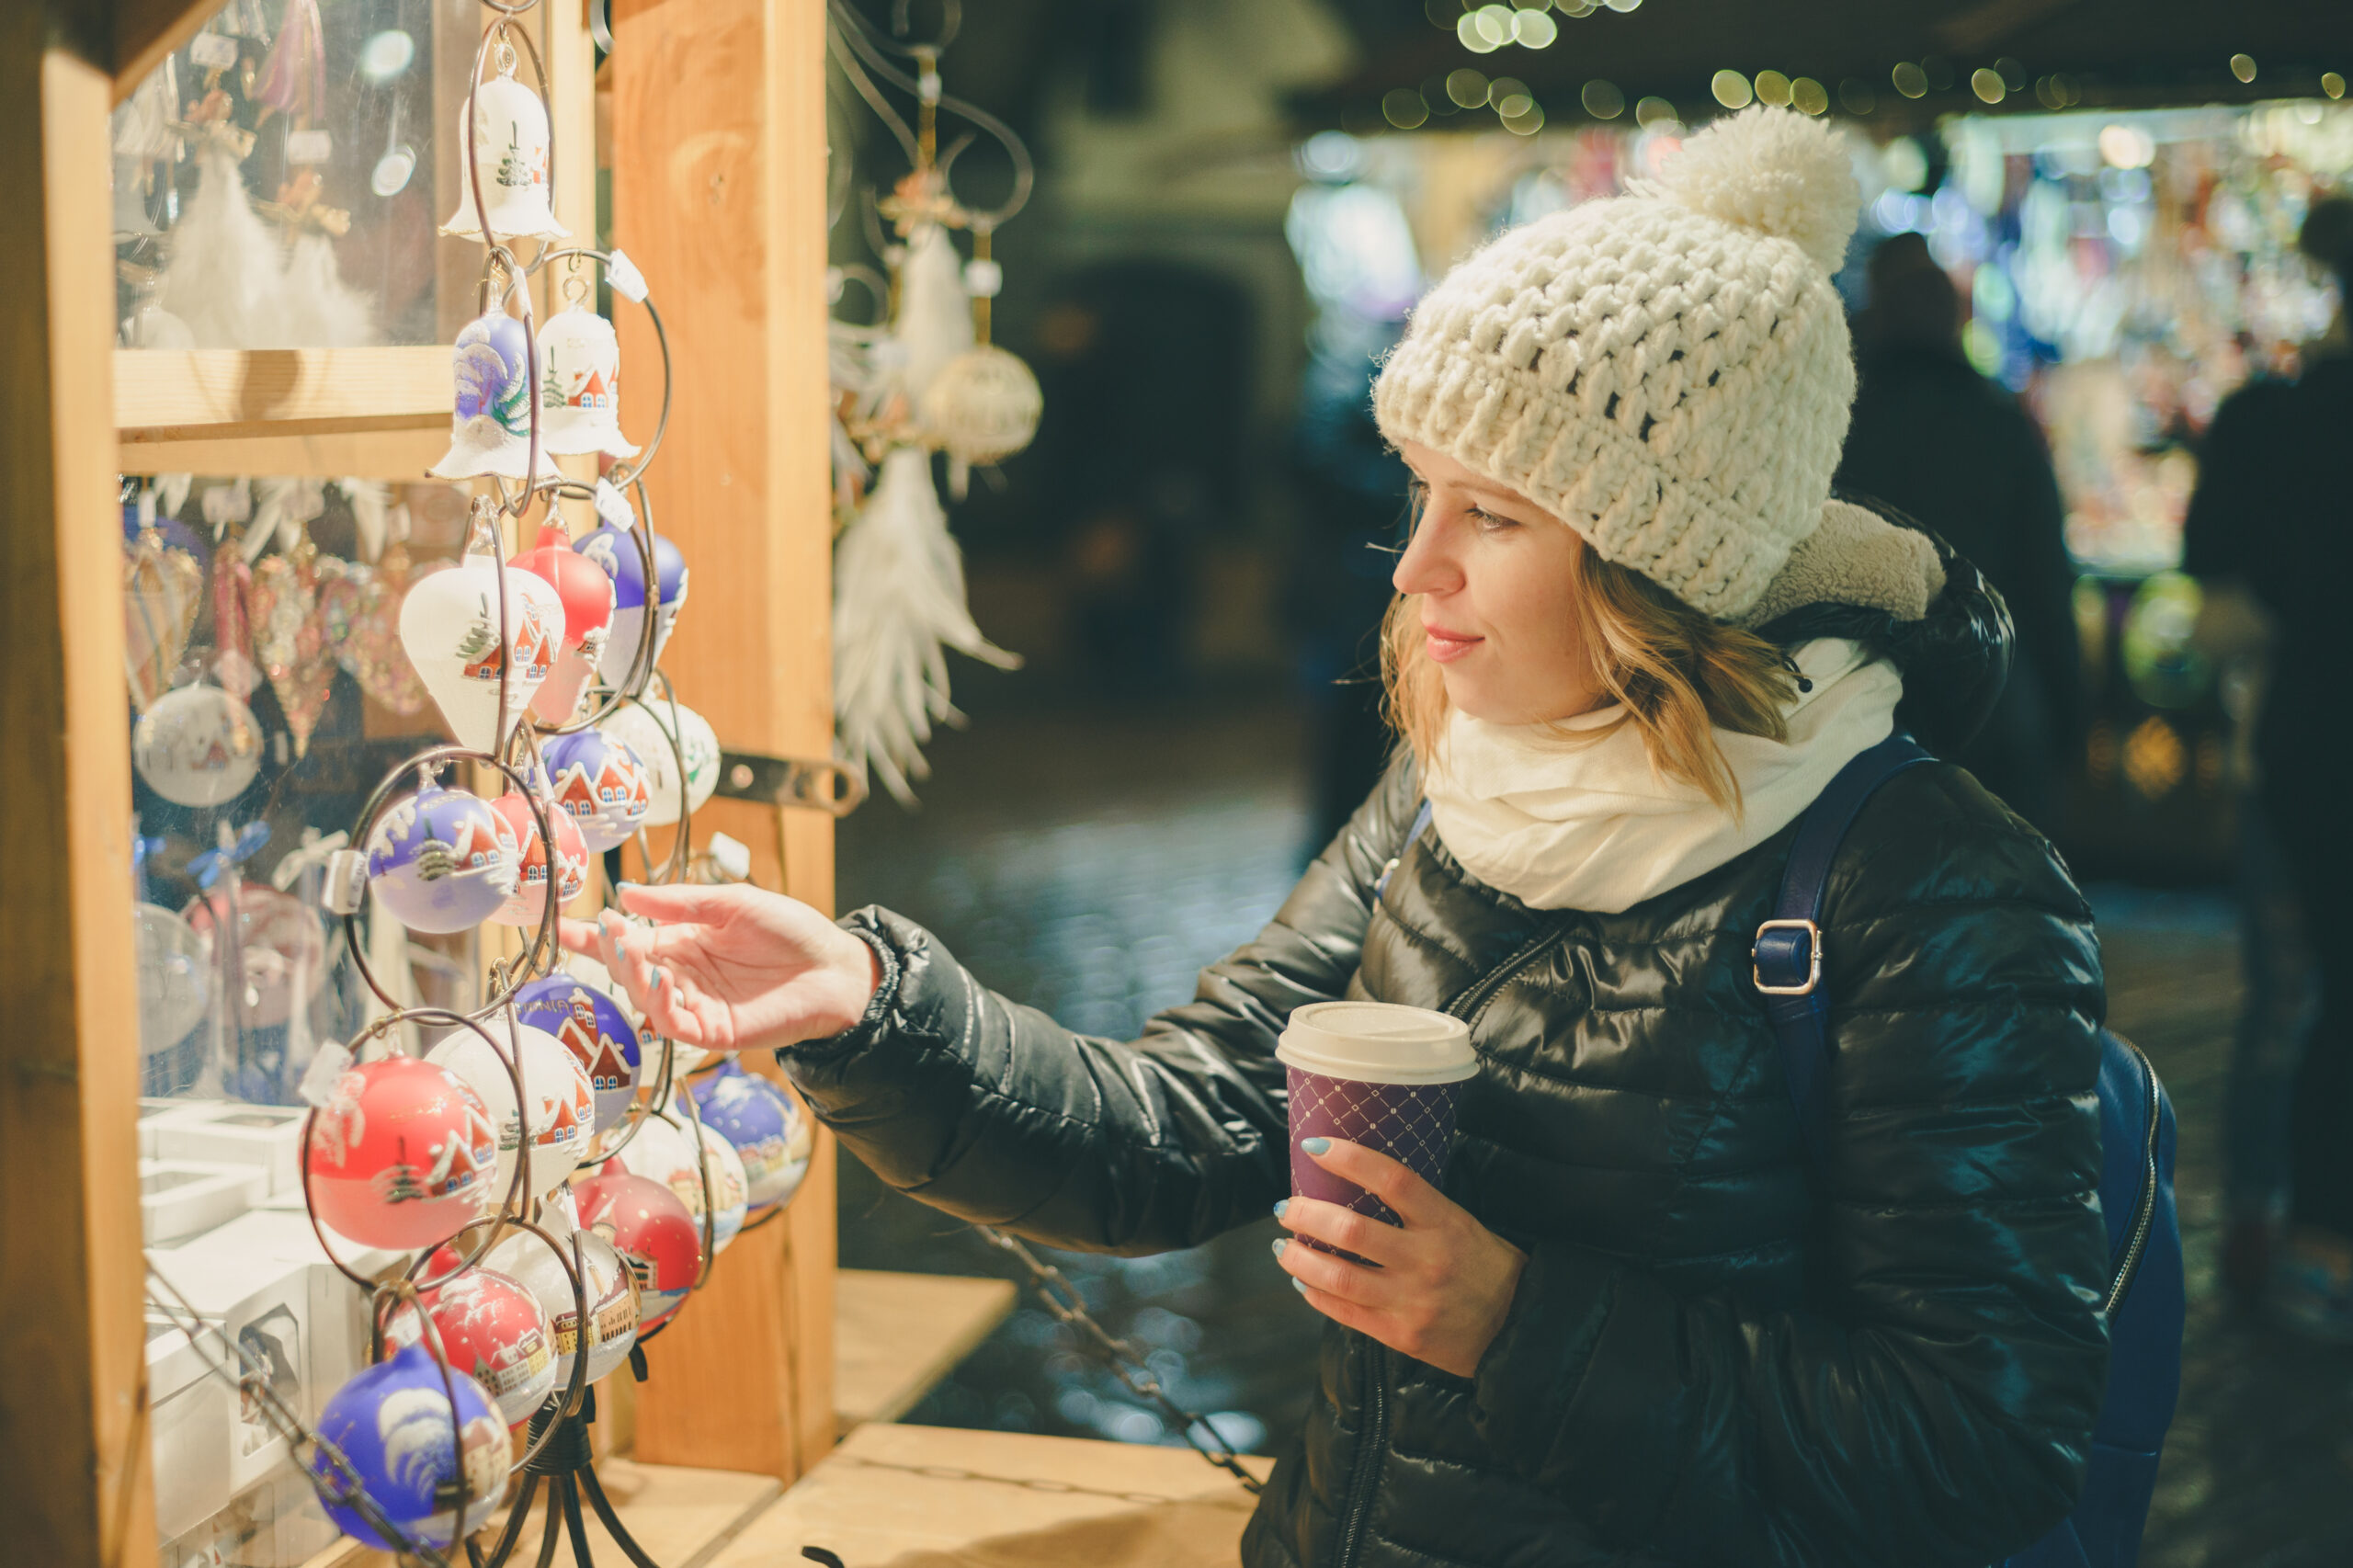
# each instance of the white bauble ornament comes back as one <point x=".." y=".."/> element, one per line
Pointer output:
<point x="983" y="406"/>
<point x="645" y="729"/>
<point x="174" y="979"/>
<point x="563" y="1111"/>
<point x="197" y="746"/>
<point x="449" y="630"/>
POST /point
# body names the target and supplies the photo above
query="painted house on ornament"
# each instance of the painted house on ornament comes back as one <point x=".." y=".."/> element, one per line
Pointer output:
<point x="594" y="392"/>
<point x="592" y="1047"/>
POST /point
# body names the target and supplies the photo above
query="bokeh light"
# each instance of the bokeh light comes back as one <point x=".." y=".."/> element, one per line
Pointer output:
<point x="1987" y="83"/>
<point x="2243" y="67"/>
<point x="1652" y="112"/>
<point x="1854" y="95"/>
<point x="1403" y="108"/>
<point x="1910" y="80"/>
<point x="1466" y="87"/>
<point x="1773" y="88"/>
<point x="1534" y="29"/>
<point x="1602" y="100"/>
<point x="1809" y="95"/>
<point x="1731" y="88"/>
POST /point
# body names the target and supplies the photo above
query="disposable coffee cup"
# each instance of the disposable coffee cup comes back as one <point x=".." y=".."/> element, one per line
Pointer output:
<point x="1386" y="1077"/>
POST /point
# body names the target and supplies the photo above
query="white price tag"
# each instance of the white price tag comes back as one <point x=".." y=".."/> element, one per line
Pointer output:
<point x="344" y="885"/>
<point x="308" y="146"/>
<point x="213" y="51"/>
<point x="627" y="281"/>
<point x="613" y="507"/>
<point x="333" y="1061"/>
<point x="731" y="858"/>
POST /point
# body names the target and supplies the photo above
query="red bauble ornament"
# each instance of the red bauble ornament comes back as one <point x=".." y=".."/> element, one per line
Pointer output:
<point x="587" y="595"/>
<point x="659" y="1240"/>
<point x="402" y="1155"/>
<point x="493" y="1329"/>
<point x="531" y="885"/>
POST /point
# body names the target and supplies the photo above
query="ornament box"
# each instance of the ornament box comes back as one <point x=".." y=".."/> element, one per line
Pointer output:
<point x="151" y="1113"/>
<point x="265" y="1306"/>
<point x="179" y="1198"/>
<point x="267" y="1137"/>
<point x="194" y="1414"/>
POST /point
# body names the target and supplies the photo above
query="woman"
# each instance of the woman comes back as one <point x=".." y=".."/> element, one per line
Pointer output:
<point x="1634" y="638"/>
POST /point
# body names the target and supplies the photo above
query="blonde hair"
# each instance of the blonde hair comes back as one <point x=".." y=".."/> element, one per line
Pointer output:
<point x="1678" y="674"/>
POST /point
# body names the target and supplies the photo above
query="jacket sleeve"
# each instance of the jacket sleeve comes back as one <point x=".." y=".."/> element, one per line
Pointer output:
<point x="1933" y="1402"/>
<point x="993" y="1112"/>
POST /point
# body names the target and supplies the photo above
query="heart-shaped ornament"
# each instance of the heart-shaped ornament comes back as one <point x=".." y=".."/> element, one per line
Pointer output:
<point x="163" y="590"/>
<point x="291" y="634"/>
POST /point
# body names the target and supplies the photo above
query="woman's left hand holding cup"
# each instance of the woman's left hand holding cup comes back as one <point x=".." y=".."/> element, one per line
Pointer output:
<point x="1444" y="1282"/>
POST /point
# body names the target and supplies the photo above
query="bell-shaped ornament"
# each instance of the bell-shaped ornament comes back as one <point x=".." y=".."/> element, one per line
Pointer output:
<point x="442" y="861"/>
<point x="450" y="627"/>
<point x="580" y="375"/>
<point x="508" y="138"/>
<point x="489" y="422"/>
<point x="615" y="550"/>
<point x="601" y="782"/>
<point x="587" y="595"/>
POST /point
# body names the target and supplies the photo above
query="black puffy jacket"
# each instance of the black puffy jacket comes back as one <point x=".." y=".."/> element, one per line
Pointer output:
<point x="1713" y="1357"/>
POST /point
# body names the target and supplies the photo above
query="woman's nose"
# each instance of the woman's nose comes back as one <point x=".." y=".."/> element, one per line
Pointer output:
<point x="1426" y="566"/>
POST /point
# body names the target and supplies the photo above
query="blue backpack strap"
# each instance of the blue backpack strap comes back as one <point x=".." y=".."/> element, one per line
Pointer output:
<point x="1421" y="822"/>
<point x="1787" y="959"/>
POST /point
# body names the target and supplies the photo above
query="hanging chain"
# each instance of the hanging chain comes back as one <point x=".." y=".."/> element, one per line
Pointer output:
<point x="1063" y="1299"/>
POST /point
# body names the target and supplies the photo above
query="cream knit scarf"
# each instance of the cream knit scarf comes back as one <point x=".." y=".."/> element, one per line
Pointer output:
<point x="1586" y="825"/>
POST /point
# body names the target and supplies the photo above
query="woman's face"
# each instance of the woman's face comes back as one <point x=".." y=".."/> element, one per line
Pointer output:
<point x="1495" y="577"/>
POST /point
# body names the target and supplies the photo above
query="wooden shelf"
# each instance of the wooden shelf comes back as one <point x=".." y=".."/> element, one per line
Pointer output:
<point x="926" y="1494"/>
<point x="682" y="1517"/>
<point x="896" y="1335"/>
<point x="209" y="393"/>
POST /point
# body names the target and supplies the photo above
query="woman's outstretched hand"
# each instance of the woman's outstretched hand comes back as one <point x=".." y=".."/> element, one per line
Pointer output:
<point x="732" y="968"/>
<point x="1445" y="1280"/>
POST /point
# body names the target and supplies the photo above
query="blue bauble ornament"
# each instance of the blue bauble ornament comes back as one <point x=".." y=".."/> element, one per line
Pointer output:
<point x="391" y="1423"/>
<point x="591" y="1026"/>
<point x="442" y="861"/>
<point x="616" y="550"/>
<point x="771" y="1135"/>
<point x="600" y="783"/>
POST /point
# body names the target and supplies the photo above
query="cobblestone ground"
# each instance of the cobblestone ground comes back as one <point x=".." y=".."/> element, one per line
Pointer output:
<point x="1089" y="862"/>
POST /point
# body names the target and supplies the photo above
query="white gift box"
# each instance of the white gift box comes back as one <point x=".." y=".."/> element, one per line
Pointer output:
<point x="265" y="1136"/>
<point x="264" y="1306"/>
<point x="152" y="1114"/>
<point x="179" y="1198"/>
<point x="193" y="1412"/>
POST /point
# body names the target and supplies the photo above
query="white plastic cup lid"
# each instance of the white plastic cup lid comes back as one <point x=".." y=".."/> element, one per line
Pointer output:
<point x="1378" y="1042"/>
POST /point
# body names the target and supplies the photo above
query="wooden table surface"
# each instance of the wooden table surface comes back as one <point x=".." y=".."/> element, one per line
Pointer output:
<point x="928" y="1497"/>
<point x="895" y="1335"/>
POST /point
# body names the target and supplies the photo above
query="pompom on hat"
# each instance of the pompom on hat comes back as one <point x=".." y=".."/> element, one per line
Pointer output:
<point x="1668" y="371"/>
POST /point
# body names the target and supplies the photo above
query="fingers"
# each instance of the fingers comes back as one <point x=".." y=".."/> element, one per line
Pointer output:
<point x="674" y="903"/>
<point x="1415" y="1200"/>
<point x="1333" y="1276"/>
<point x="674" y="1010"/>
<point x="1343" y="1228"/>
<point x="626" y="952"/>
<point x="580" y="937"/>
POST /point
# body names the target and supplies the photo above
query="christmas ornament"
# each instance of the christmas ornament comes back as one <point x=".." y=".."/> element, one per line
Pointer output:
<point x="580" y="373"/>
<point x="645" y="728"/>
<point x="934" y="324"/>
<point x="507" y="137"/>
<point x="614" y="548"/>
<point x="660" y="1151"/>
<point x="280" y="947"/>
<point x="766" y="1125"/>
<point x="490" y="424"/>
<point x="197" y="746"/>
<point x="392" y="1423"/>
<point x="493" y="1330"/>
<point x="586" y="594"/>
<point x="450" y="625"/>
<point x="898" y="607"/>
<point x="555" y="1086"/>
<point x="658" y="1241"/>
<point x="174" y="979"/>
<point x="442" y="861"/>
<point x="163" y="591"/>
<point x="529" y="902"/>
<point x="601" y="783"/>
<point x="983" y="406"/>
<point x="611" y="1288"/>
<point x="224" y="280"/>
<point x="363" y="608"/>
<point x="731" y="1189"/>
<point x="591" y="1026"/>
<point x="319" y="309"/>
<point x="402" y="1155"/>
<point x="294" y="634"/>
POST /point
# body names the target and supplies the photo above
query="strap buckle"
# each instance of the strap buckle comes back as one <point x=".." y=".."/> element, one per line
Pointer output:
<point x="1786" y="952"/>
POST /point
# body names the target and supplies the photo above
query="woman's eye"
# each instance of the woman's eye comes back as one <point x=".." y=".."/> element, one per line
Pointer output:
<point x="1488" y="521"/>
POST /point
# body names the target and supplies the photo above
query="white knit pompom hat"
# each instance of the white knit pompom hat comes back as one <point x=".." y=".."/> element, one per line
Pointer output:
<point x="1667" y="372"/>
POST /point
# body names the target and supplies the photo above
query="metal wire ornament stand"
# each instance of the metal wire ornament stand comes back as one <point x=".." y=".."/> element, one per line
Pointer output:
<point x="559" y="1461"/>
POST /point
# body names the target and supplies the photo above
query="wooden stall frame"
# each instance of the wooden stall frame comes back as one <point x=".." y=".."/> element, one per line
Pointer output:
<point x="744" y="489"/>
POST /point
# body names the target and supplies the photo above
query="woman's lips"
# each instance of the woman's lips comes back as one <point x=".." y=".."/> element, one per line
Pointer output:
<point x="1448" y="646"/>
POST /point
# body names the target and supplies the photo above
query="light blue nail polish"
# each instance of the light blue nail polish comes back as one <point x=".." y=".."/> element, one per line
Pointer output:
<point x="1281" y="1207"/>
<point x="1298" y="1284"/>
<point x="1315" y="1146"/>
<point x="1280" y="1243"/>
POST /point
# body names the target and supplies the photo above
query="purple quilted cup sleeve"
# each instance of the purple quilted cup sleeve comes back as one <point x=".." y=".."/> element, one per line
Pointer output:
<point x="1411" y="1124"/>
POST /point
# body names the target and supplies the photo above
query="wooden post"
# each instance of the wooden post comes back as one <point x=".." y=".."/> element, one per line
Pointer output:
<point x="719" y="166"/>
<point x="74" y="1488"/>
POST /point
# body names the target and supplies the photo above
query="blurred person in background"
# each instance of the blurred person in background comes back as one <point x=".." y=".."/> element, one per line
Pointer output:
<point x="2274" y="512"/>
<point x="1935" y="439"/>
